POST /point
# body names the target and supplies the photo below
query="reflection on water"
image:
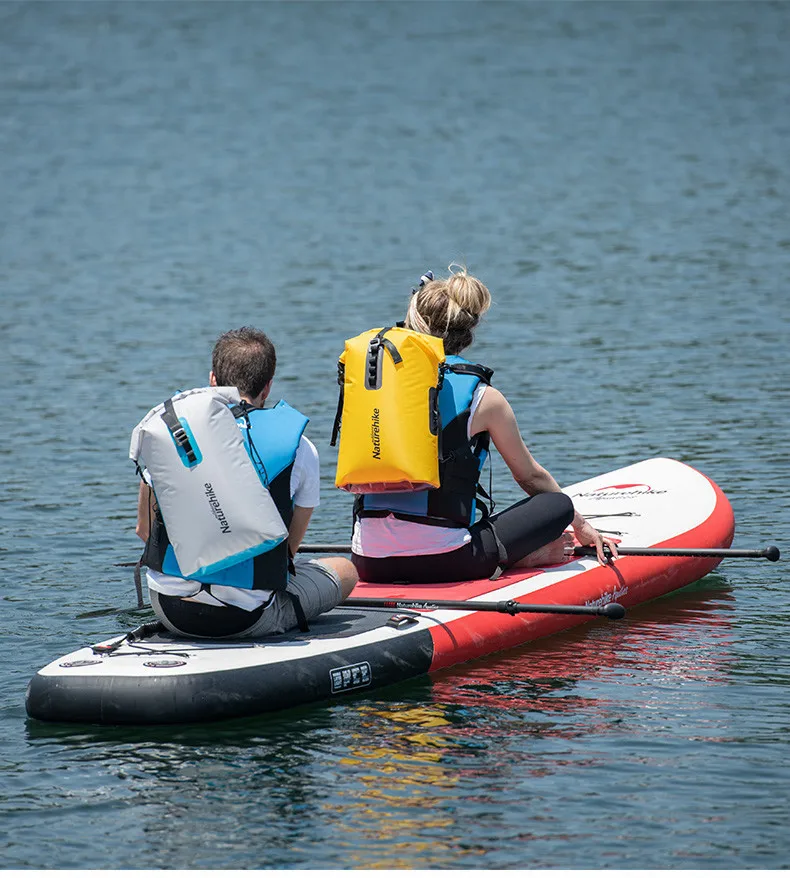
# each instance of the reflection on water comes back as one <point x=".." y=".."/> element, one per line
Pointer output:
<point x="391" y="758"/>
<point x="652" y="638"/>
<point x="394" y="810"/>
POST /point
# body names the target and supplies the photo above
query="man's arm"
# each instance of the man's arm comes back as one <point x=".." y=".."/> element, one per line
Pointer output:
<point x="298" y="528"/>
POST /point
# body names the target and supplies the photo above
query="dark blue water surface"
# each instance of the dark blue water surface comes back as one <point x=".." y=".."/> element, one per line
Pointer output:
<point x="619" y="175"/>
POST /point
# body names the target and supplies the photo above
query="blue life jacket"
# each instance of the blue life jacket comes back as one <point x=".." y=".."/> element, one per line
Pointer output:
<point x="461" y="460"/>
<point x="271" y="437"/>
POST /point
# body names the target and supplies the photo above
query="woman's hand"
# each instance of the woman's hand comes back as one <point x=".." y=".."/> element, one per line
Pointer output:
<point x="587" y="535"/>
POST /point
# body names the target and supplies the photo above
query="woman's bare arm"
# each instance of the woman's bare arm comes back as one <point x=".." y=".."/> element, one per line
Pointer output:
<point x="495" y="415"/>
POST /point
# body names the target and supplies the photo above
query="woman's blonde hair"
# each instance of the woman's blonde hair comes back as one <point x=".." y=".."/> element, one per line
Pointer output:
<point x="449" y="308"/>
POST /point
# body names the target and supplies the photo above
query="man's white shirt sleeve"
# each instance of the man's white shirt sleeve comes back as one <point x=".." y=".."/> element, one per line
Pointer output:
<point x="306" y="475"/>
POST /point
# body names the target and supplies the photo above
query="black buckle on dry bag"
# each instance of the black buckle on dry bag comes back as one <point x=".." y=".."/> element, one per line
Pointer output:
<point x="373" y="361"/>
<point x="177" y="431"/>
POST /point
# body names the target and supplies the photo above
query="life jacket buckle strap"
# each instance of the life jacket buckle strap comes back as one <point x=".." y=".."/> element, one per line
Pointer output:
<point x="502" y="558"/>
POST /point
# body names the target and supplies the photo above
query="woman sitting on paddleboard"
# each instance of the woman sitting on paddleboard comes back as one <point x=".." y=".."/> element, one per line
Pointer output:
<point x="431" y="535"/>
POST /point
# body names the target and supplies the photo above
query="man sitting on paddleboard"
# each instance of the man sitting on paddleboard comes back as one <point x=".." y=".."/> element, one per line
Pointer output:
<point x="257" y="596"/>
<point x="429" y="535"/>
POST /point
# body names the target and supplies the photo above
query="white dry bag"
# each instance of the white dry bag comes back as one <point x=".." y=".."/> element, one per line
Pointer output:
<point x="216" y="509"/>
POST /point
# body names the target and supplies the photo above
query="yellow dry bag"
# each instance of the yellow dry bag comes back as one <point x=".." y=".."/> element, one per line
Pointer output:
<point x="389" y="408"/>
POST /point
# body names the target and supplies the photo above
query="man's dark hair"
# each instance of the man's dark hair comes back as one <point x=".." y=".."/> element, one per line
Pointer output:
<point x="244" y="358"/>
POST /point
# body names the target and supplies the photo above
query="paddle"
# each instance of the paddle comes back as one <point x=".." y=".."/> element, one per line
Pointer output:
<point x="611" y="611"/>
<point x="771" y="553"/>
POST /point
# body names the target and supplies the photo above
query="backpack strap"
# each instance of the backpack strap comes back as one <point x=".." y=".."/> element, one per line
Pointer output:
<point x="501" y="550"/>
<point x="178" y="433"/>
<point x="301" y="618"/>
<point x="299" y="612"/>
<point x="408" y="516"/>
<point x="341" y="380"/>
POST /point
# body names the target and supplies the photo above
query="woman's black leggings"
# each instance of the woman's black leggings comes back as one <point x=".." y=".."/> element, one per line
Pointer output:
<point x="520" y="529"/>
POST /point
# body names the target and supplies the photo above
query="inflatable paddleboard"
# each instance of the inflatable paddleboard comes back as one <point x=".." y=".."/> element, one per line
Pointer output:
<point x="156" y="677"/>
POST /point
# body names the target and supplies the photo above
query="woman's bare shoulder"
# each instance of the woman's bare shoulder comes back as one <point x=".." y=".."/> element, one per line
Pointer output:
<point x="492" y="410"/>
<point x="494" y="400"/>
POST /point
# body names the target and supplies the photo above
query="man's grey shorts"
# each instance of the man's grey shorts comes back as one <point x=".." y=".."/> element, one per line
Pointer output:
<point x="316" y="585"/>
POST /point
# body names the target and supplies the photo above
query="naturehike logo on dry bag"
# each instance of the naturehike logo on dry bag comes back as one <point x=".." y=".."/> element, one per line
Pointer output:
<point x="216" y="509"/>
<point x="375" y="433"/>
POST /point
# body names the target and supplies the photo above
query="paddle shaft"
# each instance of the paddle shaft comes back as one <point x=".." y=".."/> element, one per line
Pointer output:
<point x="771" y="553"/>
<point x="611" y="610"/>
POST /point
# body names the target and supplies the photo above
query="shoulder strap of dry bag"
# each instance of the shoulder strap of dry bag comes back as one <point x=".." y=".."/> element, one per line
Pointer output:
<point x="341" y="380"/>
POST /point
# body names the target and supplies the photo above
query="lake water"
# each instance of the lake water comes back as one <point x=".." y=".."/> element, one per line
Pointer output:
<point x="619" y="176"/>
